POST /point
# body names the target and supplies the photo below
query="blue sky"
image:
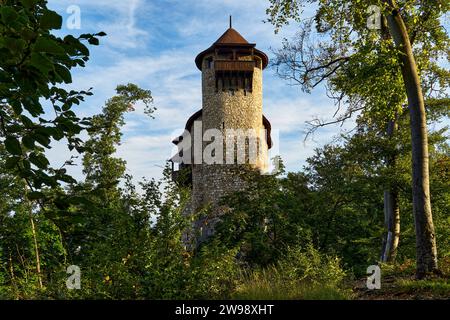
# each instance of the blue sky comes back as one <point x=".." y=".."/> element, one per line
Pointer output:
<point x="154" y="44"/>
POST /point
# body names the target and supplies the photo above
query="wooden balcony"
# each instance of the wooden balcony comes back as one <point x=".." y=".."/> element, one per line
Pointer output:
<point x="234" y="65"/>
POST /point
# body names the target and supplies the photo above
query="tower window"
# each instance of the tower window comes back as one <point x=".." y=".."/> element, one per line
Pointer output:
<point x="233" y="80"/>
<point x="209" y="62"/>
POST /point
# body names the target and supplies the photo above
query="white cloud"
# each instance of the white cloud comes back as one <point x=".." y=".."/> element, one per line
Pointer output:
<point x="153" y="44"/>
<point x="116" y="18"/>
<point x="59" y="154"/>
<point x="145" y="155"/>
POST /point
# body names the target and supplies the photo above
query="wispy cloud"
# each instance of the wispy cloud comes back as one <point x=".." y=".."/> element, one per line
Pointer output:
<point x="154" y="44"/>
<point x="116" y="18"/>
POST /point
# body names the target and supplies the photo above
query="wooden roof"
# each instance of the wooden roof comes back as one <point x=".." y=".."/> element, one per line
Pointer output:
<point x="231" y="38"/>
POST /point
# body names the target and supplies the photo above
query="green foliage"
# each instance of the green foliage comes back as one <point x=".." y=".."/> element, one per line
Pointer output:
<point x="110" y="233"/>
<point x="34" y="67"/>
<point x="102" y="170"/>
<point x="437" y="287"/>
<point x="311" y="266"/>
<point x="336" y="202"/>
<point x="336" y="47"/>
<point x="363" y="70"/>
<point x="397" y="283"/>
<point x="300" y="274"/>
<point x="213" y="273"/>
<point x="266" y="218"/>
<point x="286" y="236"/>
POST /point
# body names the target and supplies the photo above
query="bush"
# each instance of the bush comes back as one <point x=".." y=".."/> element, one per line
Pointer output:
<point x="213" y="273"/>
<point x="301" y="274"/>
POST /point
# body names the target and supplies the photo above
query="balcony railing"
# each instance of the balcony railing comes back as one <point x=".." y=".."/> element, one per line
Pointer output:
<point x="234" y="65"/>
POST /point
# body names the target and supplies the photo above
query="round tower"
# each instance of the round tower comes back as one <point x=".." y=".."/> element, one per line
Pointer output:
<point x="232" y="111"/>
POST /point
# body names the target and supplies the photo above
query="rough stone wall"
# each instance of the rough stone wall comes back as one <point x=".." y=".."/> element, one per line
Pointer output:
<point x="225" y="110"/>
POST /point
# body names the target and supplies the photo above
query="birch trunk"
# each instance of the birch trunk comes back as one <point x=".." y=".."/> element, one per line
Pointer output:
<point x="391" y="209"/>
<point x="392" y="222"/>
<point x="35" y="242"/>
<point x="36" y="251"/>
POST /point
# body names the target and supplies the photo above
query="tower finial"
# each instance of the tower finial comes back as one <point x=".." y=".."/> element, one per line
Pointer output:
<point x="231" y="21"/>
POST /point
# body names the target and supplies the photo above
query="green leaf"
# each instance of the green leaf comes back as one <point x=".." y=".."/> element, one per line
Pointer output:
<point x="17" y="106"/>
<point x="26" y="165"/>
<point x="35" y="195"/>
<point x="8" y="14"/>
<point x="29" y="3"/>
<point x="27" y="122"/>
<point x="12" y="145"/>
<point x="28" y="142"/>
<point x="64" y="73"/>
<point x="27" y="34"/>
<point x="15" y="128"/>
<point x="41" y="62"/>
<point x="39" y="160"/>
<point x="94" y="41"/>
<point x="47" y="45"/>
<point x="14" y="45"/>
<point x="43" y="140"/>
<point x="11" y="162"/>
<point x="33" y="106"/>
<point x="57" y="133"/>
<point x="66" y="178"/>
<point x="51" y="20"/>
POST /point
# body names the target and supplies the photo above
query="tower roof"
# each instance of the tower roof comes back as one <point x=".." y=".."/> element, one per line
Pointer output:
<point x="231" y="38"/>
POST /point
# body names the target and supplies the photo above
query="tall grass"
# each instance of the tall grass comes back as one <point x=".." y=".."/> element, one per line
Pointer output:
<point x="302" y="275"/>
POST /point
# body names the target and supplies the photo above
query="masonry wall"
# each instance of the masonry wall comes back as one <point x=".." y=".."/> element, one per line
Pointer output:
<point x="223" y="110"/>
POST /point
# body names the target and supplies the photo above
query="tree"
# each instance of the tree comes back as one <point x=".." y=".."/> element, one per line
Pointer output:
<point x="106" y="227"/>
<point x="270" y="215"/>
<point x="357" y="63"/>
<point x="391" y="206"/>
<point x="33" y="66"/>
<point x="35" y="108"/>
<point x="30" y="247"/>
<point x="102" y="170"/>
<point x="426" y="238"/>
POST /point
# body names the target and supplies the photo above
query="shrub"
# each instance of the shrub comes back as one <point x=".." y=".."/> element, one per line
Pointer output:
<point x="301" y="274"/>
<point x="213" y="274"/>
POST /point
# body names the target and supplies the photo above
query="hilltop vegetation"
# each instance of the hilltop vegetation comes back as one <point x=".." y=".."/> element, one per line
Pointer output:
<point x="292" y="235"/>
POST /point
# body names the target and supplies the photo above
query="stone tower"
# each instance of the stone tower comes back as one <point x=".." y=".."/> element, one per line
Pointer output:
<point x="231" y="116"/>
